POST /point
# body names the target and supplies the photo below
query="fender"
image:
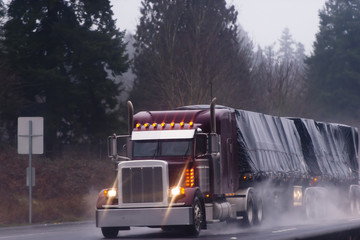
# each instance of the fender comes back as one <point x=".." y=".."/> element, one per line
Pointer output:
<point x="189" y="196"/>
<point x="103" y="200"/>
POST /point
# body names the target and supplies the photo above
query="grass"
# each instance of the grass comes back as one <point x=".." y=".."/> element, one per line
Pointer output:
<point x="65" y="189"/>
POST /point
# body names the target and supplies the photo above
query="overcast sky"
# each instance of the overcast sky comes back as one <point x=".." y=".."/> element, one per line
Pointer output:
<point x="263" y="20"/>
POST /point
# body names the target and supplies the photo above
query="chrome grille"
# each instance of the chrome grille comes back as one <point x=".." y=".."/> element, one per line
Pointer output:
<point x="142" y="184"/>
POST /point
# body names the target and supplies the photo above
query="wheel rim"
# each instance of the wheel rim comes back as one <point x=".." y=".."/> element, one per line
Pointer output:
<point x="197" y="217"/>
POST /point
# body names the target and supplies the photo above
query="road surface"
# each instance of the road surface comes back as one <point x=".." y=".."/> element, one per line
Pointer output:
<point x="283" y="230"/>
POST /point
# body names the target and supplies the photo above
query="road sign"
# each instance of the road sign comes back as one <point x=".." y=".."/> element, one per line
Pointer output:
<point x="30" y="141"/>
<point x="36" y="125"/>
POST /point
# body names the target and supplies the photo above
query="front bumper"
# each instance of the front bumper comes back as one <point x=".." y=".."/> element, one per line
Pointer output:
<point x="125" y="217"/>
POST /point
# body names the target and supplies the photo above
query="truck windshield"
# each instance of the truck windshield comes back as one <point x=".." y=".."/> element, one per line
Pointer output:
<point x="163" y="148"/>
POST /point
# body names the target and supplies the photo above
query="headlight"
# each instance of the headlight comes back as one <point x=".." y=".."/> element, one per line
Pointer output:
<point x="176" y="191"/>
<point x="110" y="192"/>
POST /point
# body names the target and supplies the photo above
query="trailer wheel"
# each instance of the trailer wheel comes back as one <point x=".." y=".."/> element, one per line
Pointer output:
<point x="195" y="228"/>
<point x="110" y="232"/>
<point x="354" y="204"/>
<point x="310" y="209"/>
<point x="314" y="203"/>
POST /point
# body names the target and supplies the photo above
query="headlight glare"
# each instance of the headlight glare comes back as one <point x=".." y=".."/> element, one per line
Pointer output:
<point x="110" y="193"/>
<point x="176" y="191"/>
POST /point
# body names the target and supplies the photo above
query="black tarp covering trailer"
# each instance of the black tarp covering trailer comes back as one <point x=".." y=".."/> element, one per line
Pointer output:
<point x="295" y="162"/>
<point x="269" y="145"/>
<point x="295" y="147"/>
<point x="330" y="150"/>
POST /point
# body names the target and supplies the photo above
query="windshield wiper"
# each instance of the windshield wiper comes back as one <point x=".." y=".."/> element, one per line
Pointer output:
<point x="156" y="152"/>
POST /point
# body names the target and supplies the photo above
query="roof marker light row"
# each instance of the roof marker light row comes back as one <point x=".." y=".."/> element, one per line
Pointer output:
<point x="163" y="125"/>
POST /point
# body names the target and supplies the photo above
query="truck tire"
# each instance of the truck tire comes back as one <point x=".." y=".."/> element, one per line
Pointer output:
<point x="259" y="211"/>
<point x="311" y="210"/>
<point x="249" y="215"/>
<point x="110" y="232"/>
<point x="354" y="204"/>
<point x="315" y="203"/>
<point x="195" y="228"/>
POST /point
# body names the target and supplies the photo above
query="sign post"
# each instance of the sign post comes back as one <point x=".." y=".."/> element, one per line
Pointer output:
<point x="30" y="141"/>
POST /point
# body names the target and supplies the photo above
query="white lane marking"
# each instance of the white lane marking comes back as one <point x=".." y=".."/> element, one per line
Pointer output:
<point x="354" y="219"/>
<point x="284" y="230"/>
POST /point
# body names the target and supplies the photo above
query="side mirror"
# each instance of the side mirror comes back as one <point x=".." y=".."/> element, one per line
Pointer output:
<point x="112" y="146"/>
<point x="118" y="147"/>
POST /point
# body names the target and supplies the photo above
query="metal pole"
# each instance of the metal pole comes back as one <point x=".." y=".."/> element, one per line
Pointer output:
<point x="30" y="172"/>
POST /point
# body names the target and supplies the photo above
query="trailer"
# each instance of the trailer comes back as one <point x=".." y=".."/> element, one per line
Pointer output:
<point x="186" y="168"/>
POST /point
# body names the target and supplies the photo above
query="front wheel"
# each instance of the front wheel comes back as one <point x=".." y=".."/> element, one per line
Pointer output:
<point x="110" y="232"/>
<point x="195" y="228"/>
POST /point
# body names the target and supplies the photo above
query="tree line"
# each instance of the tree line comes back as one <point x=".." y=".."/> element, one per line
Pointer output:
<point x="67" y="61"/>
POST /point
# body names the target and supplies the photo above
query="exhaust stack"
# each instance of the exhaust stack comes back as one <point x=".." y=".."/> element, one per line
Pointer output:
<point x="212" y="116"/>
<point x="130" y="117"/>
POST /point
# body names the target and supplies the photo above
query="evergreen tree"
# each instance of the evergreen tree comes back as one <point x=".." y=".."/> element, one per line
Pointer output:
<point x="188" y="52"/>
<point x="10" y="96"/>
<point x="334" y="73"/>
<point x="286" y="51"/>
<point x="67" y="54"/>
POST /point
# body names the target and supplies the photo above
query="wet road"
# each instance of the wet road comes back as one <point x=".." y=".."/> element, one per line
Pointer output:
<point x="281" y="229"/>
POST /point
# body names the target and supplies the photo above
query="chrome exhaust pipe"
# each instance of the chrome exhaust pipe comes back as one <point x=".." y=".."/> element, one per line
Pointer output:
<point x="130" y="117"/>
<point x="212" y="116"/>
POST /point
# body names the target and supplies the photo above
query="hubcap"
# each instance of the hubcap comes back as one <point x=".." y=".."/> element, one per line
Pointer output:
<point x="197" y="217"/>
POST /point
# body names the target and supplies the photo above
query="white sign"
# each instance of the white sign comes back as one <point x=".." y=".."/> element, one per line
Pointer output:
<point x="31" y="133"/>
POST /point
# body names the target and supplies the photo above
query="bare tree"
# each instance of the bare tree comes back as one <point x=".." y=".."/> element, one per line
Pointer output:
<point x="278" y="78"/>
<point x="187" y="52"/>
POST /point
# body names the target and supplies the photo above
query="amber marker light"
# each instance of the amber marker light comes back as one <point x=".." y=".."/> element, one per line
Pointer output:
<point x="189" y="181"/>
<point x="138" y="125"/>
<point x="172" y="124"/>
<point x="154" y="125"/>
<point x="191" y="124"/>
<point x="181" y="124"/>
<point x="163" y="124"/>
<point x="146" y="125"/>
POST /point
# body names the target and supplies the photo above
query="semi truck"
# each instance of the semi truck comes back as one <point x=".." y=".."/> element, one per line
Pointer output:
<point x="186" y="168"/>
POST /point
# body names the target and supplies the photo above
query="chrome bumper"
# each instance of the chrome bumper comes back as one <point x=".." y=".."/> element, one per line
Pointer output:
<point x="125" y="217"/>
